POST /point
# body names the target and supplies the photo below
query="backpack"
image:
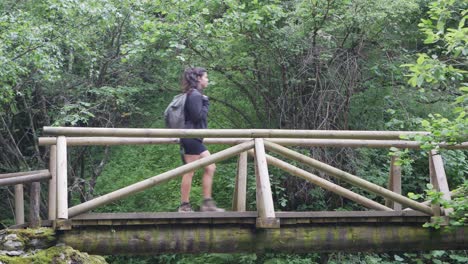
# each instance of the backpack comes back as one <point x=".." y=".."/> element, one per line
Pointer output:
<point x="174" y="115"/>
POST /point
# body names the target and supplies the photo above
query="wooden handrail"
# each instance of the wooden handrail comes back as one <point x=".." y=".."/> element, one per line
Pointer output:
<point x="25" y="179"/>
<point x="351" y="143"/>
<point x="23" y="173"/>
<point x="226" y="133"/>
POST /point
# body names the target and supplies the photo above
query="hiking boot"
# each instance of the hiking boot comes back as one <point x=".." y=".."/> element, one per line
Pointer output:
<point x="185" y="208"/>
<point x="209" y="205"/>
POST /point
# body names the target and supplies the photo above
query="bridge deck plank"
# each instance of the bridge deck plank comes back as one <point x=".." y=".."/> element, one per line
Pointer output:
<point x="286" y="218"/>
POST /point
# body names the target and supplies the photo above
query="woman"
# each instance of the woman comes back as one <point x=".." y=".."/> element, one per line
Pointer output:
<point x="194" y="81"/>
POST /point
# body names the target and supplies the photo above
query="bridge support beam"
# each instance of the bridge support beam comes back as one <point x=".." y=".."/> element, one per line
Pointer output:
<point x="151" y="240"/>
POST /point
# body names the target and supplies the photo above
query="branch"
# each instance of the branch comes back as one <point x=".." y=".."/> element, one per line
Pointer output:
<point x="246" y="118"/>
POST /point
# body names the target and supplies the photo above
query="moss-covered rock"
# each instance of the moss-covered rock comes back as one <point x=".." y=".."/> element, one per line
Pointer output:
<point x="26" y="239"/>
<point x="37" y="246"/>
<point x="54" y="255"/>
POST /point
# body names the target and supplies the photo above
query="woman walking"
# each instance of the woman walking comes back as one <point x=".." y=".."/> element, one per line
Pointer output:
<point x="194" y="81"/>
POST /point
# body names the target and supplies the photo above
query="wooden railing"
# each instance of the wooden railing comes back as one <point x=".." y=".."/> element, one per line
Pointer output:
<point x="246" y="142"/>
<point x="18" y="179"/>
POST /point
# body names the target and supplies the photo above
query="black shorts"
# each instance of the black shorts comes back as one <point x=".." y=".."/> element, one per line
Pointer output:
<point x="192" y="146"/>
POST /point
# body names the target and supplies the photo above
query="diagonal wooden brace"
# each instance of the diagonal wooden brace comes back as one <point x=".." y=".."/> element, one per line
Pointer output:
<point x="371" y="187"/>
<point x="266" y="211"/>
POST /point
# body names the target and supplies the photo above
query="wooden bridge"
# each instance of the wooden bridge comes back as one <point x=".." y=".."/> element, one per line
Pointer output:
<point x="393" y="226"/>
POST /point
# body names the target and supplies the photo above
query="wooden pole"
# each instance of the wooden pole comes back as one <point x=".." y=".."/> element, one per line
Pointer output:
<point x="326" y="184"/>
<point x="394" y="183"/>
<point x="19" y="204"/>
<point x="439" y="178"/>
<point x="62" y="184"/>
<point x="352" y="143"/>
<point x="240" y="189"/>
<point x="258" y="196"/>
<point x="433" y="179"/>
<point x="148" y="183"/>
<point x="223" y="133"/>
<point x="265" y="208"/>
<point x="52" y="208"/>
<point x="34" y="205"/>
<point x="371" y="187"/>
<point x="25" y="178"/>
<point x="25" y="173"/>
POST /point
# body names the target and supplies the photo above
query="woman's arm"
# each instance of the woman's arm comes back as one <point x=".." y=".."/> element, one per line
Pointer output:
<point x="197" y="106"/>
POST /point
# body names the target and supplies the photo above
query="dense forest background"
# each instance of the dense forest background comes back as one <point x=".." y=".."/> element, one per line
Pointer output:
<point x="293" y="64"/>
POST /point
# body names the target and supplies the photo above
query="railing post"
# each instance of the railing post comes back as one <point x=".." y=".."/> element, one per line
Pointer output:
<point x="394" y="183"/>
<point x="439" y="179"/>
<point x="62" y="186"/>
<point x="34" y="204"/>
<point x="433" y="181"/>
<point x="240" y="189"/>
<point x="19" y="204"/>
<point x="52" y="212"/>
<point x="266" y="211"/>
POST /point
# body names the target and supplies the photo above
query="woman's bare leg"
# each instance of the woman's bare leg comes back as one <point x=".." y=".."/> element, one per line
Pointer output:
<point x="187" y="180"/>
<point x="207" y="181"/>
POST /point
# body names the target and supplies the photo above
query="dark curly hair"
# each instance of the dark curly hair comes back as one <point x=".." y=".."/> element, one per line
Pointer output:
<point x="190" y="78"/>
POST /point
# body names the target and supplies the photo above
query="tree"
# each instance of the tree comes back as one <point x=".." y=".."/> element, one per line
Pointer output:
<point x="442" y="70"/>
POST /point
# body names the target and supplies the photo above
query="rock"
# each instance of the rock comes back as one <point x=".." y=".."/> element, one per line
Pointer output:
<point x="15" y="253"/>
<point x="38" y="243"/>
<point x="36" y="246"/>
<point x="12" y="245"/>
<point x="62" y="254"/>
<point x="11" y="237"/>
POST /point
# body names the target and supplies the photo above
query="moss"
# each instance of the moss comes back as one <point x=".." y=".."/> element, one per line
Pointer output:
<point x="57" y="254"/>
<point x="26" y="235"/>
<point x="31" y="233"/>
<point x="43" y="234"/>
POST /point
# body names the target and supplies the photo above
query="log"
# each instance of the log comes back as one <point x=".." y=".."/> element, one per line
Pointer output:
<point x="265" y="208"/>
<point x="34" y="205"/>
<point x="240" y="189"/>
<point x="148" y="183"/>
<point x="62" y="182"/>
<point x="440" y="178"/>
<point x="197" y="239"/>
<point x="223" y="133"/>
<point x="52" y="196"/>
<point x="24" y="173"/>
<point x="25" y="178"/>
<point x="394" y="183"/>
<point x="371" y="187"/>
<point x="352" y="143"/>
<point x="19" y="204"/>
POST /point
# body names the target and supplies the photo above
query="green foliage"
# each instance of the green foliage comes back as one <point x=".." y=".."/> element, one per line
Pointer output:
<point x="441" y="72"/>
<point x="431" y="70"/>
<point x="272" y="64"/>
<point x="436" y="256"/>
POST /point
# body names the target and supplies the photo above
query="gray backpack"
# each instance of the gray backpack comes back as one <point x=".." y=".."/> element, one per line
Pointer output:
<point x="174" y="115"/>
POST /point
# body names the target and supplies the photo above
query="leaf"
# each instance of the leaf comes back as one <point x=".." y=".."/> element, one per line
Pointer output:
<point x="421" y="59"/>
